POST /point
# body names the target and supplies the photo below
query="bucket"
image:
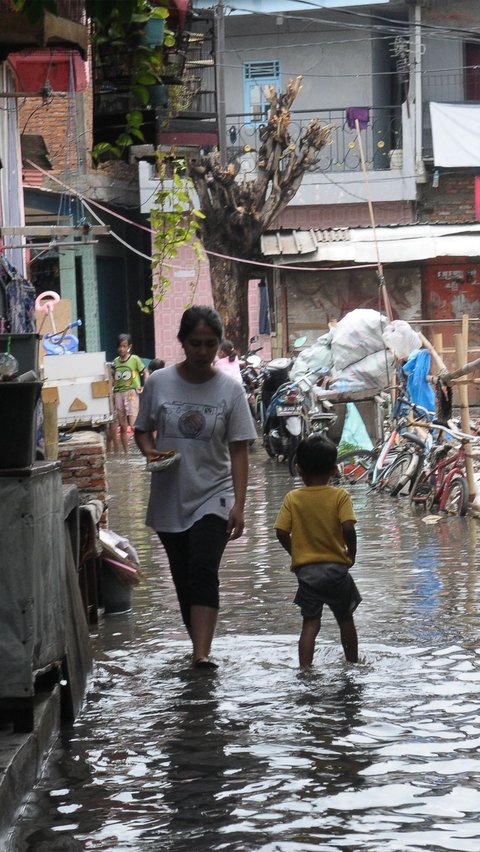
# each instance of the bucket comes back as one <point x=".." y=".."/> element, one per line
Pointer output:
<point x="18" y="424"/>
<point x="115" y="594"/>
<point x="153" y="32"/>
<point x="23" y="347"/>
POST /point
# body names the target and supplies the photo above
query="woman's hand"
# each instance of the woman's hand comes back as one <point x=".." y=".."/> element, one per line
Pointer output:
<point x="235" y="523"/>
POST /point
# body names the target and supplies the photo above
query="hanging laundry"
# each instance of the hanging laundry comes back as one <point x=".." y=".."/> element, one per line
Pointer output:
<point x="362" y="114"/>
<point x="20" y="299"/>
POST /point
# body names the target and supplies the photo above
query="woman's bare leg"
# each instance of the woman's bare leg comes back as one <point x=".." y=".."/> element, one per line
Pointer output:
<point x="203" y="620"/>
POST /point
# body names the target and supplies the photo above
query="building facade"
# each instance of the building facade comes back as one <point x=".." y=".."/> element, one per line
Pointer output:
<point x="371" y="71"/>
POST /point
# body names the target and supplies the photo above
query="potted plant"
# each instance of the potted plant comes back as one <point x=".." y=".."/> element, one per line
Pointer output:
<point x="127" y="40"/>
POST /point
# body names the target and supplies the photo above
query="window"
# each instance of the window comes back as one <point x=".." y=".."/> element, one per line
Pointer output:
<point x="256" y="75"/>
<point x="472" y="71"/>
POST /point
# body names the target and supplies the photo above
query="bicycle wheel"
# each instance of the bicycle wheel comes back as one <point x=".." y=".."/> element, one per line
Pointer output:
<point x="402" y="472"/>
<point x="423" y="491"/>
<point x="354" y="466"/>
<point x="454" y="499"/>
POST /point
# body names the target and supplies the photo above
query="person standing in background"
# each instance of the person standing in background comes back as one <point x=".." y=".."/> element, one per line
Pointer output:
<point x="228" y="360"/>
<point x="128" y="373"/>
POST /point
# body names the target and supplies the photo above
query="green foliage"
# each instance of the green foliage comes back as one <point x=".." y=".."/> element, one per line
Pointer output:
<point x="34" y="9"/>
<point x="174" y="221"/>
<point x="117" y="27"/>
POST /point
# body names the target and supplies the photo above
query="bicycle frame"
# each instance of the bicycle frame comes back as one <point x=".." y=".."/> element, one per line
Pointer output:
<point x="442" y="474"/>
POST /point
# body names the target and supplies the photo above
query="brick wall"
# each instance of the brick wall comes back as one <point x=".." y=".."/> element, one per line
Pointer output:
<point x="452" y="201"/>
<point x="83" y="463"/>
<point x="345" y="215"/>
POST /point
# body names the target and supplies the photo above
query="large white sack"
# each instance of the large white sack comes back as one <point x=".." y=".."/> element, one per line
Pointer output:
<point x="358" y="334"/>
<point x="400" y="337"/>
<point x="373" y="371"/>
<point x="316" y="358"/>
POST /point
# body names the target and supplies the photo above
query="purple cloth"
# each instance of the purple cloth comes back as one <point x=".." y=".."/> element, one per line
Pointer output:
<point x="360" y="113"/>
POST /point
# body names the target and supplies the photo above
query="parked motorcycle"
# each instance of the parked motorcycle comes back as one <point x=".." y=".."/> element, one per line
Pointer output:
<point x="250" y="368"/>
<point x="292" y="414"/>
<point x="286" y="408"/>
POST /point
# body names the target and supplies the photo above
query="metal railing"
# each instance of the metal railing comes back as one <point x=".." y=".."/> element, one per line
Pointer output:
<point x="382" y="135"/>
<point x="446" y="87"/>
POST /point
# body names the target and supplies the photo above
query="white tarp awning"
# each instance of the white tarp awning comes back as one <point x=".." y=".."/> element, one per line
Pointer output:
<point x="456" y="134"/>
<point x="402" y="243"/>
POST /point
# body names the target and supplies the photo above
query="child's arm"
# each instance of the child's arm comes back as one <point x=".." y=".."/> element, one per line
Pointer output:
<point x="350" y="539"/>
<point x="285" y="540"/>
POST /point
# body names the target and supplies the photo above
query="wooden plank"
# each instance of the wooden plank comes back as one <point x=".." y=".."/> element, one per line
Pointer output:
<point x="50" y="395"/>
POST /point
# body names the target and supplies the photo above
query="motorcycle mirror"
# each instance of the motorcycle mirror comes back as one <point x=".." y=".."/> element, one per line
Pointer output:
<point x="253" y="339"/>
<point x="300" y="341"/>
<point x="254" y="360"/>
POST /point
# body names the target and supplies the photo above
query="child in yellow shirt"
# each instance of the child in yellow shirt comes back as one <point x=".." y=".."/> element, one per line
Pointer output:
<point x="316" y="526"/>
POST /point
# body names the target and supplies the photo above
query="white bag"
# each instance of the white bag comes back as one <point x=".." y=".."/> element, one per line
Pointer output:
<point x="358" y="334"/>
<point x="400" y="337"/>
<point x="373" y="371"/>
<point x="316" y="359"/>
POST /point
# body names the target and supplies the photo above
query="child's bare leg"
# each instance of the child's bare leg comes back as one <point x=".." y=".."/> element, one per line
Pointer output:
<point x="306" y="643"/>
<point x="122" y="419"/>
<point x="349" y="639"/>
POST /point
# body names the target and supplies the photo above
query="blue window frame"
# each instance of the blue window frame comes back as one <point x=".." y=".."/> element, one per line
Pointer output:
<point x="256" y="75"/>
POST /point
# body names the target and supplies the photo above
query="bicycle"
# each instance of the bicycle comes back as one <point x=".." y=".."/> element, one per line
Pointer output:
<point x="375" y="466"/>
<point x="442" y="482"/>
<point x="396" y="458"/>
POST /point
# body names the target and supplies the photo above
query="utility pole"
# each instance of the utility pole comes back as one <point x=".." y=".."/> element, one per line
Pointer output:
<point x="220" y="79"/>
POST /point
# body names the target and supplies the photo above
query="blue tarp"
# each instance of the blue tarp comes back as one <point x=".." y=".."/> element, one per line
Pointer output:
<point x="417" y="369"/>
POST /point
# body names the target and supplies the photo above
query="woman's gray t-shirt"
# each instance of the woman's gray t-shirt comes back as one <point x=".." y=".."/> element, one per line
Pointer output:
<point x="199" y="421"/>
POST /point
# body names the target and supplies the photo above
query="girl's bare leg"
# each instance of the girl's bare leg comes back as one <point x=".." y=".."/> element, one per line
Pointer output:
<point x="306" y="643"/>
<point x="123" y="422"/>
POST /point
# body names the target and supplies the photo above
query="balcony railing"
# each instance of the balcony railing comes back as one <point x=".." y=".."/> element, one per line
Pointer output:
<point x="446" y="87"/>
<point x="382" y="135"/>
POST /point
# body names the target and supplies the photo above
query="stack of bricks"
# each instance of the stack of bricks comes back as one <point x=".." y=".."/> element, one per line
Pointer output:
<point x="83" y="462"/>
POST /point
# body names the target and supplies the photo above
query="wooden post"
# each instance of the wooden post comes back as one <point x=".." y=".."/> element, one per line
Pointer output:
<point x="381" y="278"/>
<point x="437" y="339"/>
<point x="465" y="414"/>
<point x="50" y="422"/>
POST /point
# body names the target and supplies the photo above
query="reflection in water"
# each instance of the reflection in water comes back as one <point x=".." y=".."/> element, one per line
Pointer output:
<point x="259" y="755"/>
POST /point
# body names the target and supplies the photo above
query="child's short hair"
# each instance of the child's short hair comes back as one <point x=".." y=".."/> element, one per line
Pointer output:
<point x="156" y="364"/>
<point x="316" y="454"/>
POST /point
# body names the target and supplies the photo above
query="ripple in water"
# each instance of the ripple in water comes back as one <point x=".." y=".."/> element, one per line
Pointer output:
<point x="259" y="755"/>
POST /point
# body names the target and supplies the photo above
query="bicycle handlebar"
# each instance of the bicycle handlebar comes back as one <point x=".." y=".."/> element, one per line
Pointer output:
<point x="454" y="433"/>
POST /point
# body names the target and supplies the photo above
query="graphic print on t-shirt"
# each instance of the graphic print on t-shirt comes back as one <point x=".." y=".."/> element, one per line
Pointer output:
<point x="190" y="420"/>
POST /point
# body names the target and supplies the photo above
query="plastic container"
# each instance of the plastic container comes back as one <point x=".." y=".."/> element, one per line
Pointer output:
<point x="23" y="347"/>
<point x="116" y="594"/>
<point x="18" y="424"/>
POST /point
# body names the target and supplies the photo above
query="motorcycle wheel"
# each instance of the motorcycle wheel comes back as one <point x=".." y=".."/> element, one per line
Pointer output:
<point x="269" y="449"/>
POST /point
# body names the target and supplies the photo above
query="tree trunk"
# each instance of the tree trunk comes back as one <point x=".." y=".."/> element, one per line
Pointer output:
<point x="230" y="297"/>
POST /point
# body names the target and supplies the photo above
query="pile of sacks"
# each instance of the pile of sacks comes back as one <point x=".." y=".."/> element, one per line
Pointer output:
<point x="359" y="352"/>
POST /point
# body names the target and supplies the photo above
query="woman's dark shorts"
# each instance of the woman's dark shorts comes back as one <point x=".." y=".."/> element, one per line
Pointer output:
<point x="329" y="583"/>
<point x="194" y="556"/>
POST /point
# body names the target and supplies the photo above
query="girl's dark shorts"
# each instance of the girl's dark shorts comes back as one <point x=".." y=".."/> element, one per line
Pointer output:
<point x="194" y="556"/>
<point x="329" y="583"/>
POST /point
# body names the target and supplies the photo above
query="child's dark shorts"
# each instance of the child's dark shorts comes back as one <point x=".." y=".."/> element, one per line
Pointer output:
<point x="330" y="583"/>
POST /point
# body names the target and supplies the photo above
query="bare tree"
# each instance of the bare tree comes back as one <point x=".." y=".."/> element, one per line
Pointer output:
<point x="238" y="212"/>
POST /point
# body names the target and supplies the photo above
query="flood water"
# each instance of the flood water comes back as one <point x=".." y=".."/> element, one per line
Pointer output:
<point x="260" y="756"/>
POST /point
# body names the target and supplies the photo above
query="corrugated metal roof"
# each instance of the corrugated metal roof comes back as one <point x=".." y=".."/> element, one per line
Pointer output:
<point x="295" y="242"/>
<point x="364" y="245"/>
